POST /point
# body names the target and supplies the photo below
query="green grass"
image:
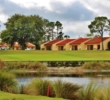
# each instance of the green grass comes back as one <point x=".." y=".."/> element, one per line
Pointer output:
<point x="10" y="96"/>
<point x="38" y="55"/>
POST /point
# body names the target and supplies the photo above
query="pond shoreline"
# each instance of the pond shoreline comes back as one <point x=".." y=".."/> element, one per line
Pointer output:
<point x="73" y="69"/>
<point x="65" y="69"/>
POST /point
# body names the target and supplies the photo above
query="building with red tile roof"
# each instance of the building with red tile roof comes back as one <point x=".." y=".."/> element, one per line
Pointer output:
<point x="16" y="46"/>
<point x="65" y="41"/>
<point x="51" y="45"/>
<point x="78" y="44"/>
<point x="51" y="42"/>
<point x="30" y="46"/>
<point x="79" y="41"/>
<point x="96" y="40"/>
<point x="4" y="46"/>
<point x="64" y="45"/>
<point x="96" y="43"/>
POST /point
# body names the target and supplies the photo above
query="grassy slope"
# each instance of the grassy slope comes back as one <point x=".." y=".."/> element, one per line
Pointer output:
<point x="9" y="96"/>
<point x="23" y="55"/>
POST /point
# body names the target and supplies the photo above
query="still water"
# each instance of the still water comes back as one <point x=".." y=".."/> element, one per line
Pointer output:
<point x="98" y="78"/>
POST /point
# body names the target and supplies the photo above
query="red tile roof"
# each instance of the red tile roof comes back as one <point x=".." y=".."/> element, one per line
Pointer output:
<point x="30" y="45"/>
<point x="96" y="40"/>
<point x="3" y="45"/>
<point x="16" y="44"/>
<point x="52" y="42"/>
<point x="79" y="41"/>
<point x="65" y="41"/>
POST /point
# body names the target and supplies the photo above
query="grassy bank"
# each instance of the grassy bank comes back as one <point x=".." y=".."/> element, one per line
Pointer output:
<point x="23" y="55"/>
<point x="38" y="89"/>
<point x="10" y="96"/>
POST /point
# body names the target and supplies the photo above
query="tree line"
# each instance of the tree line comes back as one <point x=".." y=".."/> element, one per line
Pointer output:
<point x="33" y="28"/>
<point x="37" y="30"/>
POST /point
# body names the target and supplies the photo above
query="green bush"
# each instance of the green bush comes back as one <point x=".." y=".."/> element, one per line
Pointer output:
<point x="24" y="65"/>
<point x="104" y="93"/>
<point x="7" y="82"/>
<point x="96" y="65"/>
<point x="37" y="65"/>
<point x="41" y="87"/>
<point x="88" y="92"/>
<point x="65" y="89"/>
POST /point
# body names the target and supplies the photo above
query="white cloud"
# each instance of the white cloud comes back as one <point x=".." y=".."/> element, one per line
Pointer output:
<point x="99" y="7"/>
<point x="75" y="15"/>
<point x="65" y="2"/>
<point x="41" y="3"/>
<point x="33" y="3"/>
<point x="76" y="27"/>
<point x="3" y="18"/>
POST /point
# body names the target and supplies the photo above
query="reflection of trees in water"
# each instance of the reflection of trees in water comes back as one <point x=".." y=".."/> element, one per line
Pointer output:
<point x="31" y="74"/>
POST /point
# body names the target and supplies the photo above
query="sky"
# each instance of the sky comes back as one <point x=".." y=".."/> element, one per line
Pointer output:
<point x="75" y="15"/>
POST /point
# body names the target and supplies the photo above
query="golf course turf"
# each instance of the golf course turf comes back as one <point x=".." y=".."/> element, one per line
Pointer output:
<point x="10" y="96"/>
<point x="40" y="55"/>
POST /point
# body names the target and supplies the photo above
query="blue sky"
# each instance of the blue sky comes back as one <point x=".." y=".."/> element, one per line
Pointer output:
<point x="75" y="15"/>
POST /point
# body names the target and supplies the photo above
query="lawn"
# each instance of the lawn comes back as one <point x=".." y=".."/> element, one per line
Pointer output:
<point x="10" y="96"/>
<point x="38" y="55"/>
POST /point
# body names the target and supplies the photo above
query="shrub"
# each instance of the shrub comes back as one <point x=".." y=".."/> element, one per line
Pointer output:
<point x="7" y="82"/>
<point x="96" y="65"/>
<point x="25" y="65"/>
<point x="26" y="89"/>
<point x="88" y="92"/>
<point x="65" y="89"/>
<point x="104" y="93"/>
<point x="41" y="87"/>
<point x="10" y="65"/>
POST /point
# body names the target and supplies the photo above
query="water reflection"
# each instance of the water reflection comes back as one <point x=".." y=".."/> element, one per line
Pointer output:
<point x="84" y="79"/>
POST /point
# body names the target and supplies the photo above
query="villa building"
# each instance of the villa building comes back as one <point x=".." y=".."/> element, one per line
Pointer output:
<point x="16" y="46"/>
<point x="96" y="43"/>
<point x="30" y="46"/>
<point x="51" y="45"/>
<point x="64" y="45"/>
<point x="77" y="44"/>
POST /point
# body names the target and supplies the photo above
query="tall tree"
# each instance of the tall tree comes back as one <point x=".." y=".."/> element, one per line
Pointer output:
<point x="24" y="29"/>
<point x="60" y="35"/>
<point x="44" y="38"/>
<point x="58" y="27"/>
<point x="100" y="25"/>
<point x="51" y="26"/>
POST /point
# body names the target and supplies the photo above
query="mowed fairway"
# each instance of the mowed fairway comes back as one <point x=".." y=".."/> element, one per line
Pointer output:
<point x="10" y="96"/>
<point x="38" y="55"/>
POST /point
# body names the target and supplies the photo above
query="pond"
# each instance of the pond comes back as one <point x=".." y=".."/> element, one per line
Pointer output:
<point x="80" y="79"/>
